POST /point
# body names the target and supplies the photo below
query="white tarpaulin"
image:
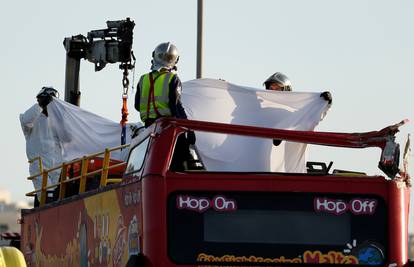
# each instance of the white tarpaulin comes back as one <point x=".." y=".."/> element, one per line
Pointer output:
<point x="41" y="140"/>
<point x="220" y="101"/>
<point x="70" y="132"/>
<point x="85" y="132"/>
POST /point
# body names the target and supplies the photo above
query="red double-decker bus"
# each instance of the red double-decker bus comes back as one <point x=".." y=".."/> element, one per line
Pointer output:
<point x="156" y="216"/>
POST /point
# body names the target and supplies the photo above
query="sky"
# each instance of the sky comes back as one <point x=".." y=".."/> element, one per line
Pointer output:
<point x="362" y="51"/>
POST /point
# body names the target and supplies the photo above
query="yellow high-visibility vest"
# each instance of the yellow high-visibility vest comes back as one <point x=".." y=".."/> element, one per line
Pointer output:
<point x="161" y="92"/>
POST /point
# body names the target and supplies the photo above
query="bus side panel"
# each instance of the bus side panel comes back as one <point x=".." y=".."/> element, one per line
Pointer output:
<point x="99" y="230"/>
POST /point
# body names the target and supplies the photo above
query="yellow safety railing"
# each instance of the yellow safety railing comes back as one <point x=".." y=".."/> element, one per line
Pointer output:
<point x="84" y="174"/>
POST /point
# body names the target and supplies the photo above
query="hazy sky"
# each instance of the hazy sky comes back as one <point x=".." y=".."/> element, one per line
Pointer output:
<point x="362" y="51"/>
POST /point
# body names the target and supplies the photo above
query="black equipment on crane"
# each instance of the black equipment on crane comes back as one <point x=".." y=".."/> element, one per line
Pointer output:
<point x="100" y="47"/>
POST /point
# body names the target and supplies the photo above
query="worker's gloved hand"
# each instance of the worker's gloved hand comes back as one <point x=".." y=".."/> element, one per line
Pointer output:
<point x="276" y="142"/>
<point x="191" y="138"/>
<point x="327" y="96"/>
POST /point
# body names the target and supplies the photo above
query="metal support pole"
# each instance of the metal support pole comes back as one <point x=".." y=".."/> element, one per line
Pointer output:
<point x="199" y="39"/>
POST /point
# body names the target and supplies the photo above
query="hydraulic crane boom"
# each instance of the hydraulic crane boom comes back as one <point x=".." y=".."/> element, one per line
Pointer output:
<point x="100" y="47"/>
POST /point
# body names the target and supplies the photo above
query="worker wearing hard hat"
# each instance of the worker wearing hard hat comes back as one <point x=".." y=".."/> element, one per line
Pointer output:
<point x="280" y="82"/>
<point x="42" y="138"/>
<point x="159" y="91"/>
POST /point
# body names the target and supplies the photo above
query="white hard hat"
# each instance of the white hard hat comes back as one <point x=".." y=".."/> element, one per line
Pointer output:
<point x="280" y="79"/>
<point x="165" y="55"/>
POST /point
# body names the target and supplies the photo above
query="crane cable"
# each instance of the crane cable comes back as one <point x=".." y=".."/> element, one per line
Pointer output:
<point x="125" y="85"/>
<point x="124" y="109"/>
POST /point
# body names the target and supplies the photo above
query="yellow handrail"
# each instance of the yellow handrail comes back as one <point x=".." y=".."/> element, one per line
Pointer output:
<point x="105" y="169"/>
<point x="44" y="185"/>
<point x="40" y="167"/>
<point x="62" y="189"/>
<point x="84" y="174"/>
<point x="84" y="171"/>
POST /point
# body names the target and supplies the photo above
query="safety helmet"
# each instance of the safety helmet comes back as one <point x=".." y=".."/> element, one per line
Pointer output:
<point x="47" y="91"/>
<point x="165" y="55"/>
<point x="280" y="79"/>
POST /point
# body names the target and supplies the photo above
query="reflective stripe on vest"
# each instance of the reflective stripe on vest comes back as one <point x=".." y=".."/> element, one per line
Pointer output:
<point x="161" y="95"/>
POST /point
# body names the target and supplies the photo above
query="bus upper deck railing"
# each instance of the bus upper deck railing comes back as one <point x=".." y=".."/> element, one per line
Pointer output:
<point x="84" y="174"/>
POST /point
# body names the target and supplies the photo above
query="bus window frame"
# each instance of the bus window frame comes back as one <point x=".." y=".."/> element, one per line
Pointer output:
<point x="134" y="172"/>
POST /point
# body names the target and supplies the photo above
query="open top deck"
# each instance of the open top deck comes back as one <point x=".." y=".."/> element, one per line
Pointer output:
<point x="196" y="216"/>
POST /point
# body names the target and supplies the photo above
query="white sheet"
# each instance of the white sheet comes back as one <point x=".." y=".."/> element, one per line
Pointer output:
<point x="68" y="132"/>
<point x="76" y="132"/>
<point x="41" y="140"/>
<point x="82" y="132"/>
<point x="220" y="101"/>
